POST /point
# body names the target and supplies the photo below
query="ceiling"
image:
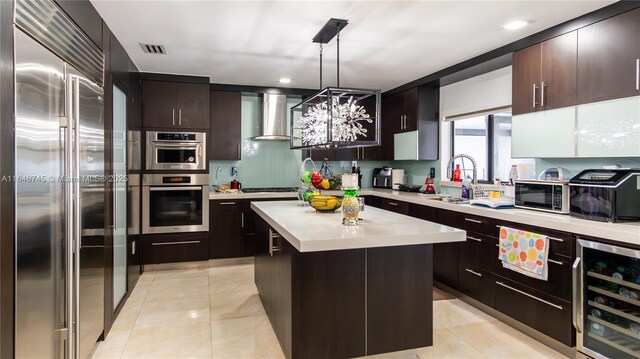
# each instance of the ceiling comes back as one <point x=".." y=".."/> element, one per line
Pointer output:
<point x="385" y="45"/>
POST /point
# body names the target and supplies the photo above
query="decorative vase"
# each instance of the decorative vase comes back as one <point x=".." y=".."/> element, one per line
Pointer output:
<point x="350" y="201"/>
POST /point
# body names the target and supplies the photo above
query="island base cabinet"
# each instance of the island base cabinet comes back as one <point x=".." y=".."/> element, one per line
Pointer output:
<point x="346" y="303"/>
<point x="399" y="298"/>
<point x="546" y="314"/>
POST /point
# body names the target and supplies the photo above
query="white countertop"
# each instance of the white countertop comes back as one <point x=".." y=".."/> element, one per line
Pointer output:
<point x="628" y="232"/>
<point x="242" y="195"/>
<point x="620" y="232"/>
<point x="311" y="231"/>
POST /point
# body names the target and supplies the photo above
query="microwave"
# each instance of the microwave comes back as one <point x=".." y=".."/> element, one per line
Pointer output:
<point x="176" y="151"/>
<point x="607" y="195"/>
<point x="548" y="196"/>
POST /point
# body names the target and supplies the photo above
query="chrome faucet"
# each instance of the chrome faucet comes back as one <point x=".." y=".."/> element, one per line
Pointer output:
<point x="474" y="180"/>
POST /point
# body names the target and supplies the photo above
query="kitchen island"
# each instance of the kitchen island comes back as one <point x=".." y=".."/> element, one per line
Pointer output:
<point x="332" y="291"/>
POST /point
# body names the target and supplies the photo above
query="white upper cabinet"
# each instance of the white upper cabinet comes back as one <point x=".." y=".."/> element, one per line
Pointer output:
<point x="405" y="146"/>
<point x="609" y="128"/>
<point x="544" y="134"/>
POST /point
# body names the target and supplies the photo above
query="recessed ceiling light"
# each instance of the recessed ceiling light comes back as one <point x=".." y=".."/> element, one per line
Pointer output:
<point x="514" y="25"/>
<point x="285" y="80"/>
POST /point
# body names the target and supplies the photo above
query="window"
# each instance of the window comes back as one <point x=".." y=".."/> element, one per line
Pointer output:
<point x="488" y="140"/>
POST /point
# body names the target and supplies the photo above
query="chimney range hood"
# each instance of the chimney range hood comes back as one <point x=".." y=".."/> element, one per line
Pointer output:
<point x="274" y="118"/>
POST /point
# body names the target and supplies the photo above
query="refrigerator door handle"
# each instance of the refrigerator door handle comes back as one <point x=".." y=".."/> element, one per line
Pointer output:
<point x="68" y="205"/>
<point x="576" y="286"/>
<point x="76" y="217"/>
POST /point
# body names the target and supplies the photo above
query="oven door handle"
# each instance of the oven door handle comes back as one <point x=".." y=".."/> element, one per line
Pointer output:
<point x="184" y="188"/>
<point x="173" y="144"/>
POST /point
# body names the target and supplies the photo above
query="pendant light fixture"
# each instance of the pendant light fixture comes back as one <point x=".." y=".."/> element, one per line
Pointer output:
<point x="336" y="117"/>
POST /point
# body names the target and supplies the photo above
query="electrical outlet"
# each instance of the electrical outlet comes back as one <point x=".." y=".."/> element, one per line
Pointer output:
<point x="234" y="171"/>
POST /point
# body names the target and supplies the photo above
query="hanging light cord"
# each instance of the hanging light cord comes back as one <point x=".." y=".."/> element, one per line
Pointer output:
<point x="320" y="66"/>
<point x="338" y="59"/>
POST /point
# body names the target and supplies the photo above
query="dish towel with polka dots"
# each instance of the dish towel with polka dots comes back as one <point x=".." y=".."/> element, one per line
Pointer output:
<point x="524" y="252"/>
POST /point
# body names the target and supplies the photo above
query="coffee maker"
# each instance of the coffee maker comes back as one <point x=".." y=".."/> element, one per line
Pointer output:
<point x="382" y="177"/>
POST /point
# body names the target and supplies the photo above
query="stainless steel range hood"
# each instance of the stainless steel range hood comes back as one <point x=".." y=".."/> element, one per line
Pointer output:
<point x="274" y="118"/>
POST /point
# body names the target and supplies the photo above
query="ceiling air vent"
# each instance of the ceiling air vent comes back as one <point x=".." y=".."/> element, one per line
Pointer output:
<point x="153" y="49"/>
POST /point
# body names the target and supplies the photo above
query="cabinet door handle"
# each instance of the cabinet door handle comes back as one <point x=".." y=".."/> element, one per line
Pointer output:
<point x="637" y="74"/>
<point x="173" y="243"/>
<point x="473" y="272"/>
<point x="179" y="117"/>
<point x="474" y="239"/>
<point x="173" y="117"/>
<point x="362" y="154"/>
<point x="473" y="220"/>
<point x="530" y="296"/>
<point x="556" y="239"/>
<point x="405" y="122"/>
<point x="534" y="95"/>
<point x="227" y="203"/>
<point x="554" y="262"/>
<point x="401" y="116"/>
<point x="272" y="248"/>
<point x="242" y="218"/>
<point x="392" y="204"/>
<point x="542" y="94"/>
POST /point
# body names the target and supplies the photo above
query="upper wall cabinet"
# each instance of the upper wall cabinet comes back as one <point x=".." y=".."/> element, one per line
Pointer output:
<point x="544" y="134"/>
<point x="414" y="111"/>
<point x="609" y="58"/>
<point x="609" y="128"/>
<point x="226" y="124"/>
<point x="544" y="75"/>
<point x="175" y="105"/>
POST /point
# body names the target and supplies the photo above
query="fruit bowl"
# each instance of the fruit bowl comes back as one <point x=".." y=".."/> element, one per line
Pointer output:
<point x="327" y="183"/>
<point x="325" y="203"/>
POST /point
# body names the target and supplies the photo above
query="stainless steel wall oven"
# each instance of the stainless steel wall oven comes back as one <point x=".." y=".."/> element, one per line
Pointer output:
<point x="173" y="203"/>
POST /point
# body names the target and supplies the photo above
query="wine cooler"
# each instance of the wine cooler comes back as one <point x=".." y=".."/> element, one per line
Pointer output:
<point x="606" y="300"/>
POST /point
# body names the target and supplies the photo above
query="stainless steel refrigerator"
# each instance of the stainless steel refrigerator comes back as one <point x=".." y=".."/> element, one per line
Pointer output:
<point x="60" y="188"/>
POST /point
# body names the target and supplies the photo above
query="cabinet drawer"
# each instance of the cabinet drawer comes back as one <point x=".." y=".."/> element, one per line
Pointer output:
<point x="395" y="206"/>
<point x="175" y="248"/>
<point x="476" y="283"/>
<point x="480" y="225"/>
<point x="546" y="314"/>
<point x="559" y="283"/>
<point x="450" y="218"/>
<point x="559" y="242"/>
<point x="226" y="205"/>
<point x="479" y="250"/>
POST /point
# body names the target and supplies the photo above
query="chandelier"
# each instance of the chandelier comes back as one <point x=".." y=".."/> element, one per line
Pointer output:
<point x="336" y="117"/>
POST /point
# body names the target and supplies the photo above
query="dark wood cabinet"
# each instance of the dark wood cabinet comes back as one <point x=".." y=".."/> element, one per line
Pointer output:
<point x="320" y="155"/>
<point x="546" y="314"/>
<point x="608" y="56"/>
<point x="544" y="75"/>
<point x="225" y="127"/>
<point x="558" y="63"/>
<point x="175" y="105"/>
<point x="169" y="248"/>
<point x="193" y="105"/>
<point x="395" y="206"/>
<point x="477" y="283"/>
<point x="226" y="234"/>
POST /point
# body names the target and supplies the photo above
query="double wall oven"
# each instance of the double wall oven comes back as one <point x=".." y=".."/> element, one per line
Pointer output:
<point x="175" y="202"/>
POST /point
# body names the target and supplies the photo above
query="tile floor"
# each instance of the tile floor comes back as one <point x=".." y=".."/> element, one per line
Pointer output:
<point x="216" y="313"/>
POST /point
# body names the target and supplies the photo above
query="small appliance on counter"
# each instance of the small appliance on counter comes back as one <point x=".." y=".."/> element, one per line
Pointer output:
<point x="397" y="178"/>
<point x="607" y="195"/>
<point x="382" y="177"/>
<point x="555" y="174"/>
<point x="542" y="195"/>
<point x="409" y="188"/>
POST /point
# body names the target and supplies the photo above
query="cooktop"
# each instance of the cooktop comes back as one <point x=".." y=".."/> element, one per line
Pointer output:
<point x="269" y="189"/>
